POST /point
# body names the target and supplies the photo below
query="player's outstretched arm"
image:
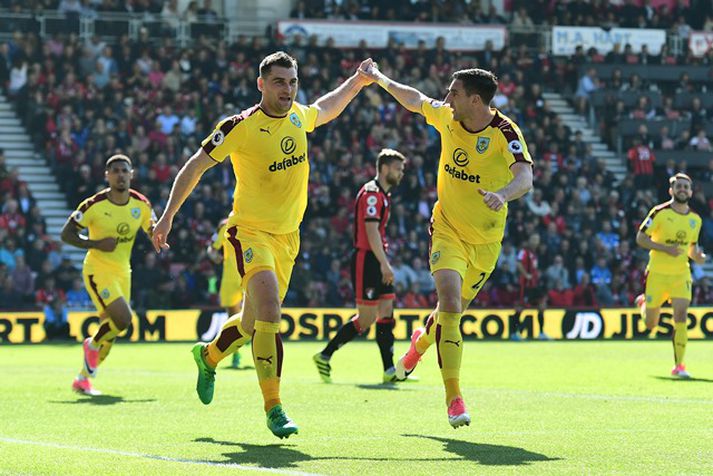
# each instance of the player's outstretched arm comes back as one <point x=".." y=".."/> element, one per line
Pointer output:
<point x="334" y="102"/>
<point x="518" y="186"/>
<point x="185" y="182"/>
<point x="410" y="98"/>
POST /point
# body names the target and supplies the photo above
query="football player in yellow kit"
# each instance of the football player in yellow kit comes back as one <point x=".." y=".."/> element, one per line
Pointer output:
<point x="267" y="146"/>
<point x="113" y="217"/>
<point x="231" y="291"/>
<point x="670" y="232"/>
<point x="484" y="164"/>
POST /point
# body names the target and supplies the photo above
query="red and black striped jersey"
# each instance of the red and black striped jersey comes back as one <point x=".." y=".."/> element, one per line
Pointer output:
<point x="528" y="260"/>
<point x="372" y="204"/>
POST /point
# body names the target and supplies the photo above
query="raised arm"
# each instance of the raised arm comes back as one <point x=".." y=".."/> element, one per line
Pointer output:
<point x="185" y="182"/>
<point x="334" y="102"/>
<point x="410" y="98"/>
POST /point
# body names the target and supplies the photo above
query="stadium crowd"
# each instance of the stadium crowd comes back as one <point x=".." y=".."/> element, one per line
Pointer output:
<point x="81" y="102"/>
<point x="524" y="14"/>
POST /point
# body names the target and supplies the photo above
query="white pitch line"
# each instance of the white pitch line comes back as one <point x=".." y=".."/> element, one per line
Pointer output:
<point x="89" y="449"/>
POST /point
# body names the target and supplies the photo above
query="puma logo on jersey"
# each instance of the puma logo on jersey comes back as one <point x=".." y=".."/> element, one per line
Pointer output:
<point x="266" y="359"/>
<point x="265" y="130"/>
<point x="454" y="342"/>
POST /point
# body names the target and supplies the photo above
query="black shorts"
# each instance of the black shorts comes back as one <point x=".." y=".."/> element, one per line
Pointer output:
<point x="366" y="279"/>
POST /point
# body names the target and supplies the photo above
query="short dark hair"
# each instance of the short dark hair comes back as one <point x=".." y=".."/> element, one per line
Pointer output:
<point x="279" y="58"/>
<point x="118" y="158"/>
<point x="388" y="157"/>
<point x="679" y="175"/>
<point x="478" y="81"/>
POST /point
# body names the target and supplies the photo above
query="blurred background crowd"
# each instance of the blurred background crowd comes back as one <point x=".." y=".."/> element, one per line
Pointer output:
<point x="155" y="101"/>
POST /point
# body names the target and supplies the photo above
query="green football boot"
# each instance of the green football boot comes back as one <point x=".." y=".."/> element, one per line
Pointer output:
<point x="279" y="423"/>
<point x="236" y="360"/>
<point x="206" y="375"/>
<point x="323" y="367"/>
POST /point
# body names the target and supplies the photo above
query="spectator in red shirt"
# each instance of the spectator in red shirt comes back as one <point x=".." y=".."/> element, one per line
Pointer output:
<point x="11" y="219"/>
<point x="161" y="169"/>
<point x="585" y="295"/>
<point x="48" y="293"/>
<point x="559" y="296"/>
<point x="413" y="299"/>
<point x="641" y="163"/>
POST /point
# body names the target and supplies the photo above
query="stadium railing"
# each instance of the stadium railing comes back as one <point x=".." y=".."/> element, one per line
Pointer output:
<point x="659" y="73"/>
<point x="110" y="26"/>
<point x="694" y="159"/>
<point x="603" y="97"/>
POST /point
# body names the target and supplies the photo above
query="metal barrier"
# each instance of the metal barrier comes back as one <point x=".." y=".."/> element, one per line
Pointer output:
<point x="111" y="26"/>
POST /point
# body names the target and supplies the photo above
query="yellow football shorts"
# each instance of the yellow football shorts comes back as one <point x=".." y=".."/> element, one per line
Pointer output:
<point x="474" y="263"/>
<point x="251" y="251"/>
<point x="231" y="291"/>
<point x="662" y="287"/>
<point x="106" y="286"/>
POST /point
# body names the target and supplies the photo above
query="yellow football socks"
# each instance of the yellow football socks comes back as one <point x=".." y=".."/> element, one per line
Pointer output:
<point x="105" y="349"/>
<point x="450" y="349"/>
<point x="267" y="355"/>
<point x="107" y="331"/>
<point x="231" y="337"/>
<point x="680" y="339"/>
<point x="425" y="340"/>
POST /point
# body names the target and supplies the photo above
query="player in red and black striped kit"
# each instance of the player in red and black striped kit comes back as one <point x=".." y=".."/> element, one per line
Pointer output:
<point x="532" y="292"/>
<point x="372" y="275"/>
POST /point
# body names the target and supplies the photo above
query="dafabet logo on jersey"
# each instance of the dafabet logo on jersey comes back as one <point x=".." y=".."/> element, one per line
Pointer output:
<point x="288" y="145"/>
<point x="461" y="159"/>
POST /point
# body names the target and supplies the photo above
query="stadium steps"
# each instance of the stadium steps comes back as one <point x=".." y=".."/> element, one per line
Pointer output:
<point x="559" y="105"/>
<point x="32" y="168"/>
<point x="616" y="164"/>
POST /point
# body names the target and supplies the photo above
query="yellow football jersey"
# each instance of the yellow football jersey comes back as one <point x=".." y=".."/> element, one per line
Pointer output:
<point x="105" y="219"/>
<point x="469" y="161"/>
<point x="666" y="226"/>
<point x="269" y="157"/>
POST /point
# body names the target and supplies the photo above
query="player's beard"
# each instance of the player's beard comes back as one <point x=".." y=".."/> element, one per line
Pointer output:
<point x="683" y="201"/>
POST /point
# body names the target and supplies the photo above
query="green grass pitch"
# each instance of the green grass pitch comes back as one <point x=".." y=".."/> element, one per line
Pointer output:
<point x="537" y="407"/>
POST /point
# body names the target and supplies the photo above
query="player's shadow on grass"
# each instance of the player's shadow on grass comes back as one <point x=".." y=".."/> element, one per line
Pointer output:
<point x="676" y="379"/>
<point x="381" y="386"/>
<point x="265" y="456"/>
<point x="103" y="400"/>
<point x="489" y="455"/>
<point x="285" y="456"/>
<point x="237" y="369"/>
